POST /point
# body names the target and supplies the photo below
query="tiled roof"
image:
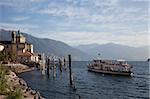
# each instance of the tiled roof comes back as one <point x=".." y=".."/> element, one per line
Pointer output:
<point x="25" y="54"/>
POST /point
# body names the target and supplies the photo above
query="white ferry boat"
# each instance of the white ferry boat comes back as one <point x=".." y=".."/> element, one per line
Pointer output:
<point x="118" y="67"/>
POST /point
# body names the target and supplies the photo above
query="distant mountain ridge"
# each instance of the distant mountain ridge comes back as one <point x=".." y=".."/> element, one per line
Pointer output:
<point x="48" y="46"/>
<point x="83" y="52"/>
<point x="116" y="51"/>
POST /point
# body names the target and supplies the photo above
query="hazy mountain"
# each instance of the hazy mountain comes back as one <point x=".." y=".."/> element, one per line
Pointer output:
<point x="116" y="51"/>
<point x="83" y="52"/>
<point x="48" y="46"/>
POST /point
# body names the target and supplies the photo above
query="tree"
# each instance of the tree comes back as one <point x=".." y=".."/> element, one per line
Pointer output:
<point x="13" y="57"/>
<point x="2" y="56"/>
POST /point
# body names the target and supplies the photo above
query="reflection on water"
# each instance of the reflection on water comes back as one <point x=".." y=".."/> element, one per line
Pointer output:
<point x="91" y="85"/>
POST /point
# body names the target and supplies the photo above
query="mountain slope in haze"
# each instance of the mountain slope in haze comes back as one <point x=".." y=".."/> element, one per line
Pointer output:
<point x="48" y="46"/>
<point x="116" y="51"/>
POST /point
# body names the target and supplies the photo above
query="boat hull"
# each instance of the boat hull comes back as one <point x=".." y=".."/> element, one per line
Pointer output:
<point x="110" y="72"/>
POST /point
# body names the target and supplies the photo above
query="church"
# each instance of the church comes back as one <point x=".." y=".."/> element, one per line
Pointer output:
<point x="19" y="49"/>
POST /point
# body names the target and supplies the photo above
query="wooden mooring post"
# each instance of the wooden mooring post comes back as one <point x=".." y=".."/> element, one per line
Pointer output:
<point x="70" y="74"/>
<point x="60" y="65"/>
<point x="54" y="73"/>
<point x="42" y="64"/>
<point x="48" y="67"/>
<point x="70" y="71"/>
<point x="64" y="62"/>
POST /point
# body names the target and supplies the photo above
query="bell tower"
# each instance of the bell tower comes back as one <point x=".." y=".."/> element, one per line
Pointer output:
<point x="13" y="37"/>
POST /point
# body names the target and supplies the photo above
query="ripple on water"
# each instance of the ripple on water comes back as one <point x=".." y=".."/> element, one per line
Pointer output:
<point x="92" y="85"/>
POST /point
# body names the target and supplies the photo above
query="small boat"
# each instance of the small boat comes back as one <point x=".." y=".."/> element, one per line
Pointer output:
<point x="116" y="67"/>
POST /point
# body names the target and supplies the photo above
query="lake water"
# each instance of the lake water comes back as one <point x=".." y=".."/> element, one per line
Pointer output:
<point x="91" y="85"/>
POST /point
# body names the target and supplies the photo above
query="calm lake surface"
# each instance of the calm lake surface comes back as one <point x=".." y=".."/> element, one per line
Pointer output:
<point x="92" y="85"/>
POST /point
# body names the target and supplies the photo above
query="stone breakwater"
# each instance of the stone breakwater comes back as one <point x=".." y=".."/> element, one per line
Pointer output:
<point x="15" y="82"/>
<point x="28" y="93"/>
<point x="19" y="68"/>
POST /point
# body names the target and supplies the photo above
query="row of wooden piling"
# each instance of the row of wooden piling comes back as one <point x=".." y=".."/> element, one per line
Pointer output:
<point x="61" y="63"/>
<point x="46" y="67"/>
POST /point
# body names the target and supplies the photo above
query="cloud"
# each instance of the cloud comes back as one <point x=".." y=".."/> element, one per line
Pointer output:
<point x="102" y="11"/>
<point x="14" y="3"/>
<point x="37" y="1"/>
<point x="95" y="11"/>
<point x="76" y="38"/>
<point x="108" y="20"/>
<point x="61" y="10"/>
<point x="21" y="5"/>
<point x="20" y="18"/>
<point x="140" y="0"/>
<point x="22" y="27"/>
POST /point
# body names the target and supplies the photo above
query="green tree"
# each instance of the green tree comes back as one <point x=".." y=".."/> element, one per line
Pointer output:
<point x="2" y="56"/>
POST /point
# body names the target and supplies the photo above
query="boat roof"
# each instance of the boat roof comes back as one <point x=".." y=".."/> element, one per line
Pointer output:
<point x="120" y="60"/>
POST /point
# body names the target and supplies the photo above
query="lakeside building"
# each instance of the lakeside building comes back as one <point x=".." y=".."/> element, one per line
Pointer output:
<point x="19" y="48"/>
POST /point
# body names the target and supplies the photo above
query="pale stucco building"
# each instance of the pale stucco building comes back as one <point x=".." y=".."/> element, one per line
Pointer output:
<point x="19" y="48"/>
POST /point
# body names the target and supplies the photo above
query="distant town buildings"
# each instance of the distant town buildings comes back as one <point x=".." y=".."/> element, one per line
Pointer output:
<point x="21" y="50"/>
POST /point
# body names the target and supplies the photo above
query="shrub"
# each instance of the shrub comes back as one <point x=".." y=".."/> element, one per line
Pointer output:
<point x="2" y="56"/>
<point x="16" y="94"/>
<point x="5" y="88"/>
<point x="3" y="85"/>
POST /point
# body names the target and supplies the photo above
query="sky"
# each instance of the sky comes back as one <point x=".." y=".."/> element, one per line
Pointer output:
<point x="78" y="22"/>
